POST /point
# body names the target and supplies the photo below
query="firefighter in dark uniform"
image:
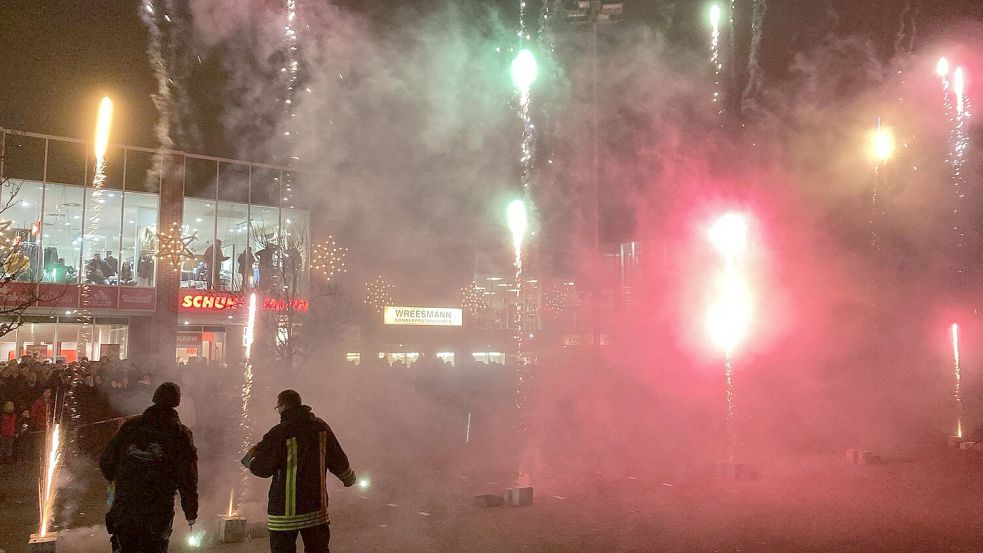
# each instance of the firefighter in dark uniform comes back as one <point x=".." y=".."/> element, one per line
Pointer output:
<point x="298" y="453"/>
<point x="147" y="461"/>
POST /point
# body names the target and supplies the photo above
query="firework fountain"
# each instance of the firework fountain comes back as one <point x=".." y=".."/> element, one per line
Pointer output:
<point x="882" y="149"/>
<point x="715" y="62"/>
<point x="730" y="312"/>
<point x="231" y="524"/>
<point x="958" y="112"/>
<point x="958" y="375"/>
<point x="51" y="463"/>
<point x="524" y="70"/>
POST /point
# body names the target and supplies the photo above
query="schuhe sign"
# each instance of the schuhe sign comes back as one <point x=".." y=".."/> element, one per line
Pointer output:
<point x="202" y="300"/>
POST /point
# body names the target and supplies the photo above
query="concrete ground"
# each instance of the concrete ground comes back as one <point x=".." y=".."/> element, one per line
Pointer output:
<point x="929" y="502"/>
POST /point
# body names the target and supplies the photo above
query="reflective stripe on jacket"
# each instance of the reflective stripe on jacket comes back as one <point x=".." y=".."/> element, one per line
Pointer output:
<point x="298" y="453"/>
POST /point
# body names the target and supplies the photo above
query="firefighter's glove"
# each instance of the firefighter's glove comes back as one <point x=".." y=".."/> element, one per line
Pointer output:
<point x="349" y="479"/>
<point x="248" y="458"/>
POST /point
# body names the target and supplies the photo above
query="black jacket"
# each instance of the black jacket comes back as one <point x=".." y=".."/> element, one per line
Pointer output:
<point x="297" y="453"/>
<point x="148" y="460"/>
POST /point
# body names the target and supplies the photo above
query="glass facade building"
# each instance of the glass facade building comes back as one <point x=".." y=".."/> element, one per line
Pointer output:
<point x="93" y="250"/>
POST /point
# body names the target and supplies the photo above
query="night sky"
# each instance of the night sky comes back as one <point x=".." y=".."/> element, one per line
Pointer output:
<point x="57" y="57"/>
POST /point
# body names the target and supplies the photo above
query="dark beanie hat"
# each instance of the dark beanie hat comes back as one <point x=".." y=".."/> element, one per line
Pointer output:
<point x="168" y="394"/>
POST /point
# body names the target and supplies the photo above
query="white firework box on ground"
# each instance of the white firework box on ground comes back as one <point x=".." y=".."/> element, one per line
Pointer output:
<point x="42" y="544"/>
<point x="852" y="456"/>
<point x="955" y="441"/>
<point x="518" y="497"/>
<point x="231" y="529"/>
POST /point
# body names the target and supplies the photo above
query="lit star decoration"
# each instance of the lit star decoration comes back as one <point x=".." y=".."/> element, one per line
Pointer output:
<point x="556" y="300"/>
<point x="472" y="300"/>
<point x="327" y="258"/>
<point x="173" y="246"/>
<point x="378" y="294"/>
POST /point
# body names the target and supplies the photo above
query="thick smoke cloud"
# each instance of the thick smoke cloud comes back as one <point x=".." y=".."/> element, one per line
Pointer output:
<point x="410" y="140"/>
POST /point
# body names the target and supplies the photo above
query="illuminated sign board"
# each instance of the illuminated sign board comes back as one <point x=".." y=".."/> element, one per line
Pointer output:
<point x="223" y="301"/>
<point x="423" y="316"/>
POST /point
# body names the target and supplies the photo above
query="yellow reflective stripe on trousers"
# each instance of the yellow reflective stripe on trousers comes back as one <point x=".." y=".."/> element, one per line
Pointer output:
<point x="299" y="522"/>
<point x="290" y="498"/>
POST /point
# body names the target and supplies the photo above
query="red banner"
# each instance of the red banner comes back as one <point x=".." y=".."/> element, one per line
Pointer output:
<point x="58" y="295"/>
<point x="137" y="298"/>
<point x="16" y="293"/>
<point x="273" y="304"/>
<point x="99" y="297"/>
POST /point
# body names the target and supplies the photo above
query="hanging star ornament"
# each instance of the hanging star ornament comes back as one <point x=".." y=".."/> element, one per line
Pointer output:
<point x="174" y="247"/>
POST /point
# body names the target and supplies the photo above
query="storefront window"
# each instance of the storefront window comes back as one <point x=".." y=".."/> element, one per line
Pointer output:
<point x="202" y="272"/>
<point x="62" y="233"/>
<point x="101" y="247"/>
<point x="265" y="230"/>
<point x="489" y="357"/>
<point x="136" y="259"/>
<point x="233" y="232"/>
<point x="233" y="225"/>
<point x="24" y="214"/>
<point x="295" y="241"/>
<point x="67" y="339"/>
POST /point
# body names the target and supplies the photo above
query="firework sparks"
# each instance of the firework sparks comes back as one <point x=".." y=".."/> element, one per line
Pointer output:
<point x="881" y="149"/>
<point x="729" y="317"/>
<point x="882" y="143"/>
<point x="715" y="54"/>
<point x="959" y="143"/>
<point x="518" y="225"/>
<point x="231" y="510"/>
<point x="958" y="374"/>
<point x="249" y="335"/>
<point x="46" y="487"/>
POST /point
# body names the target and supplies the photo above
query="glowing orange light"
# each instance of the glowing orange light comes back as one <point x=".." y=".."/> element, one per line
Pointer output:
<point x="103" y="124"/>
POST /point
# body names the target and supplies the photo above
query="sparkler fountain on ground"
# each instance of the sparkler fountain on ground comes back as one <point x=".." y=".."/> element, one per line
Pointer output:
<point x="958" y="375"/>
<point x="518" y="223"/>
<point x="231" y="525"/>
<point x="730" y="311"/>
<point x="44" y="540"/>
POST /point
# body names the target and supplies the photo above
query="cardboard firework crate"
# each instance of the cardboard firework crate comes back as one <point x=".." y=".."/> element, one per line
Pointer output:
<point x="519" y="497"/>
<point x="489" y="500"/>
<point x="231" y="529"/>
<point x="730" y="469"/>
<point x="955" y="441"/>
<point x="852" y="456"/>
<point x="868" y="458"/>
<point x="45" y="544"/>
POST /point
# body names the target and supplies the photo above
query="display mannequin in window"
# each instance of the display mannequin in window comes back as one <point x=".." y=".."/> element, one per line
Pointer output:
<point x="112" y="263"/>
<point x="213" y="264"/>
<point x="246" y="260"/>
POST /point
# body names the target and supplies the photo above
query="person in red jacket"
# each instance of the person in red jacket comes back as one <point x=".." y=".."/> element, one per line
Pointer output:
<point x="8" y="432"/>
<point x="41" y="411"/>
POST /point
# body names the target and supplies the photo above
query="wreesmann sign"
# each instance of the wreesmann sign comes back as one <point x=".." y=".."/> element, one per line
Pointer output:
<point x="423" y="316"/>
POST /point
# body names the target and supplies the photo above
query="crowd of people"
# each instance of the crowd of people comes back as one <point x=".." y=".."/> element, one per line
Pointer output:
<point x="34" y="392"/>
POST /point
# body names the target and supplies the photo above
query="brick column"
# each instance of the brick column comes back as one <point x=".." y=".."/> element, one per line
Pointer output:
<point x="168" y="276"/>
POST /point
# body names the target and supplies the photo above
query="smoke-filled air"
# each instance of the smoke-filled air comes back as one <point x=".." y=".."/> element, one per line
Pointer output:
<point x="517" y="275"/>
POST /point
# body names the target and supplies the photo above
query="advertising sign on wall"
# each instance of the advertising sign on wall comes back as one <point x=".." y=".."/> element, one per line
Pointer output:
<point x="423" y="316"/>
